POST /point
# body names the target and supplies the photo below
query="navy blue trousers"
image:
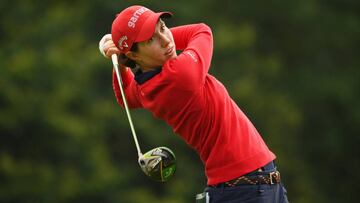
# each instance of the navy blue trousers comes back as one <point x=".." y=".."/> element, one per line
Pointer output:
<point x="248" y="194"/>
<point x="262" y="193"/>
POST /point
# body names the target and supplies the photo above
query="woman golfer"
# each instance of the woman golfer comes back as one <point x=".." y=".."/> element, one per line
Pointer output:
<point x="178" y="89"/>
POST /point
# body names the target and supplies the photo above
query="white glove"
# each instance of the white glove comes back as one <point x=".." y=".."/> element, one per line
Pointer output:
<point x="102" y="42"/>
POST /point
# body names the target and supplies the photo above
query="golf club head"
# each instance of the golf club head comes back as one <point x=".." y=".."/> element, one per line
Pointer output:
<point x="159" y="164"/>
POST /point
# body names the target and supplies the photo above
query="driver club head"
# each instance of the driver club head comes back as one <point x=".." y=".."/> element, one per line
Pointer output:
<point x="159" y="164"/>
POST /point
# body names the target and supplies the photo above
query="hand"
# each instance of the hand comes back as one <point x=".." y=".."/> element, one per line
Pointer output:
<point x="107" y="46"/>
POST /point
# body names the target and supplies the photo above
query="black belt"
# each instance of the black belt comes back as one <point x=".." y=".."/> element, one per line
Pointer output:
<point x="259" y="176"/>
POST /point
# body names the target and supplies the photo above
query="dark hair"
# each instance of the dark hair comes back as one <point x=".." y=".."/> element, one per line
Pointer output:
<point x="128" y="62"/>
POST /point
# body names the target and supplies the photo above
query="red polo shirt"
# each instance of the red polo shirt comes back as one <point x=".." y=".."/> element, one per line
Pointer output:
<point x="198" y="108"/>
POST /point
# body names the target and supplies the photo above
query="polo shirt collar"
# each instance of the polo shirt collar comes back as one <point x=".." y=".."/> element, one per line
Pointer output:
<point x="141" y="77"/>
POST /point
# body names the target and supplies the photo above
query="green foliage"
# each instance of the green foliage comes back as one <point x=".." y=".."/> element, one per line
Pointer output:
<point x="292" y="66"/>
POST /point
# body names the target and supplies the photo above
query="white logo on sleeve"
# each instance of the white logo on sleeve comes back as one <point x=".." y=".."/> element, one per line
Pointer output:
<point x="192" y="55"/>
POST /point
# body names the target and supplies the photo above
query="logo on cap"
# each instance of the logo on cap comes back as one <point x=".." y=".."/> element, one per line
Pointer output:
<point x="136" y="15"/>
<point x="122" y="42"/>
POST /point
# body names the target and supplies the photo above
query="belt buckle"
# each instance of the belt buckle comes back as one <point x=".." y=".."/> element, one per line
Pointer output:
<point x="277" y="176"/>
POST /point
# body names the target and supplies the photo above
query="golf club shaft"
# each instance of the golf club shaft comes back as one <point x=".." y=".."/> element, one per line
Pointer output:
<point x="115" y="62"/>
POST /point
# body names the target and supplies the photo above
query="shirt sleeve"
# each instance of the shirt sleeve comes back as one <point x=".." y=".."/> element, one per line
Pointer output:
<point x="129" y="86"/>
<point x="192" y="65"/>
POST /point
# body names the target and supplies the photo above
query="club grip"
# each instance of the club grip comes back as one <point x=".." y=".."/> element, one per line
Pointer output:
<point x="114" y="59"/>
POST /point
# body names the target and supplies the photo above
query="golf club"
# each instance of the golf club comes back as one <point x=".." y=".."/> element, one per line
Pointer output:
<point x="160" y="163"/>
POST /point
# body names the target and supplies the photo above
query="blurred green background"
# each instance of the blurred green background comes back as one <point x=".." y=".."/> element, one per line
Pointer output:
<point x="292" y="66"/>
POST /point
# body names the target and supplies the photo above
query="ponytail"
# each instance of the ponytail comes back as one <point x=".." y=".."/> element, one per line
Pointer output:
<point x="124" y="60"/>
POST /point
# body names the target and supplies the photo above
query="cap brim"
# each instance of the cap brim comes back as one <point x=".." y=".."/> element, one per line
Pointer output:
<point x="148" y="28"/>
